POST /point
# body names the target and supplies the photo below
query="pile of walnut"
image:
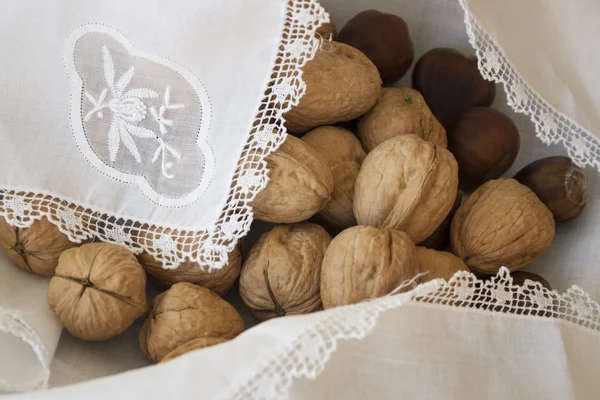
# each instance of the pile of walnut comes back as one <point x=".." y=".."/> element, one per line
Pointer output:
<point x="98" y="290"/>
<point x="384" y="169"/>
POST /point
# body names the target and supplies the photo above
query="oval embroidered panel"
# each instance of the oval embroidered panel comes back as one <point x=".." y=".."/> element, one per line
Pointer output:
<point x="139" y="118"/>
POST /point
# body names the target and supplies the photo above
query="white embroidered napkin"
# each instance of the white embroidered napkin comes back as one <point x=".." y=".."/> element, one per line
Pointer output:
<point x="146" y="122"/>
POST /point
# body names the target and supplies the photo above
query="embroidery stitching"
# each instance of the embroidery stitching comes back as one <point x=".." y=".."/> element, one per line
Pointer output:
<point x="128" y="108"/>
<point x="113" y="93"/>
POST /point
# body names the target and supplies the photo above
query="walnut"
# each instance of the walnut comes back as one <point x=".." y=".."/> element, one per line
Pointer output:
<point x="364" y="262"/>
<point x="282" y="275"/>
<point x="300" y="184"/>
<point x="399" y="111"/>
<point x="36" y="248"/>
<point x="440" y="238"/>
<point x="438" y="264"/>
<point x="195" y="344"/>
<point x="219" y="281"/>
<point x="503" y="223"/>
<point x="345" y="155"/>
<point x="341" y="84"/>
<point x="183" y="313"/>
<point x="98" y="290"/>
<point x="406" y="184"/>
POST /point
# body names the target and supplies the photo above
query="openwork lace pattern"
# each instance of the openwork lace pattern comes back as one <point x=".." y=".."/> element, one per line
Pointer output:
<point x="12" y="323"/>
<point x="551" y="126"/>
<point x="210" y="247"/>
<point x="307" y="355"/>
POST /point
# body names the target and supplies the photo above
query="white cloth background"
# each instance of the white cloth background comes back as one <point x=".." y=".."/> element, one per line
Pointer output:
<point x="24" y="295"/>
<point x="413" y="350"/>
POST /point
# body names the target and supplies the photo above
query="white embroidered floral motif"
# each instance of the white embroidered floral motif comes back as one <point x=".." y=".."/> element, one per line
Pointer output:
<point x="163" y="122"/>
<point x="128" y="109"/>
<point x="138" y="117"/>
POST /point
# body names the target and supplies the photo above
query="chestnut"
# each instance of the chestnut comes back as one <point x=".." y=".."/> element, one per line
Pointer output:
<point x="485" y="143"/>
<point x="519" y="278"/>
<point x="559" y="183"/>
<point x="451" y="83"/>
<point x="440" y="238"/>
<point x="384" y="39"/>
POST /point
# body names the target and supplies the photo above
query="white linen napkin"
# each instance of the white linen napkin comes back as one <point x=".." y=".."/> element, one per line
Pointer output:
<point x="29" y="331"/>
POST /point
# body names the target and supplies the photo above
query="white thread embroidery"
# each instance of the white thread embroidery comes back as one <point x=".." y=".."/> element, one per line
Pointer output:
<point x="163" y="122"/>
<point x="115" y="88"/>
<point x="128" y="108"/>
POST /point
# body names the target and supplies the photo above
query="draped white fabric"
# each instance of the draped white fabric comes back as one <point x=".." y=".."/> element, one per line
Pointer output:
<point x="406" y="346"/>
<point x="146" y="123"/>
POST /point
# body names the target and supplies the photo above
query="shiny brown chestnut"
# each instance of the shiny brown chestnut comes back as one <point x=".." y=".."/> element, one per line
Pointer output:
<point x="485" y="143"/>
<point x="559" y="183"/>
<point x="451" y="83"/>
<point x="384" y="38"/>
<point x="440" y="239"/>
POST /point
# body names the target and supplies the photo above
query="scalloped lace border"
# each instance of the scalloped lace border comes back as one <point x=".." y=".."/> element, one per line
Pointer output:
<point x="551" y="126"/>
<point x="209" y="247"/>
<point x="307" y="355"/>
<point x="13" y="323"/>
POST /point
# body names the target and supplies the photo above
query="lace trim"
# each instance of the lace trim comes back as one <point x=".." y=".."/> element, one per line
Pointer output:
<point x="12" y="323"/>
<point x="551" y="126"/>
<point x="209" y="247"/>
<point x="307" y="355"/>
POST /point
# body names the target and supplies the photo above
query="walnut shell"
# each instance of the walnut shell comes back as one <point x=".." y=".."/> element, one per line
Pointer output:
<point x="345" y="155"/>
<point x="503" y="223"/>
<point x="364" y="262"/>
<point x="399" y="111"/>
<point x="98" y="290"/>
<point x="183" y="313"/>
<point x="406" y="184"/>
<point x="193" y="345"/>
<point x="438" y="264"/>
<point x="440" y="238"/>
<point x="36" y="248"/>
<point x="219" y="281"/>
<point x="300" y="184"/>
<point x="341" y="84"/>
<point x="282" y="275"/>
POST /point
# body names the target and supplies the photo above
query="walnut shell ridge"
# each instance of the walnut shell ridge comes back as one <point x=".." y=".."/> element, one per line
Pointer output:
<point x="341" y="84"/>
<point x="195" y="344"/>
<point x="183" y="313"/>
<point x="364" y="262"/>
<point x="406" y="184"/>
<point x="438" y="264"/>
<point x="300" y="184"/>
<point x="503" y="223"/>
<point x="98" y="291"/>
<point x="399" y="111"/>
<point x="345" y="155"/>
<point x="35" y="248"/>
<point x="282" y="275"/>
